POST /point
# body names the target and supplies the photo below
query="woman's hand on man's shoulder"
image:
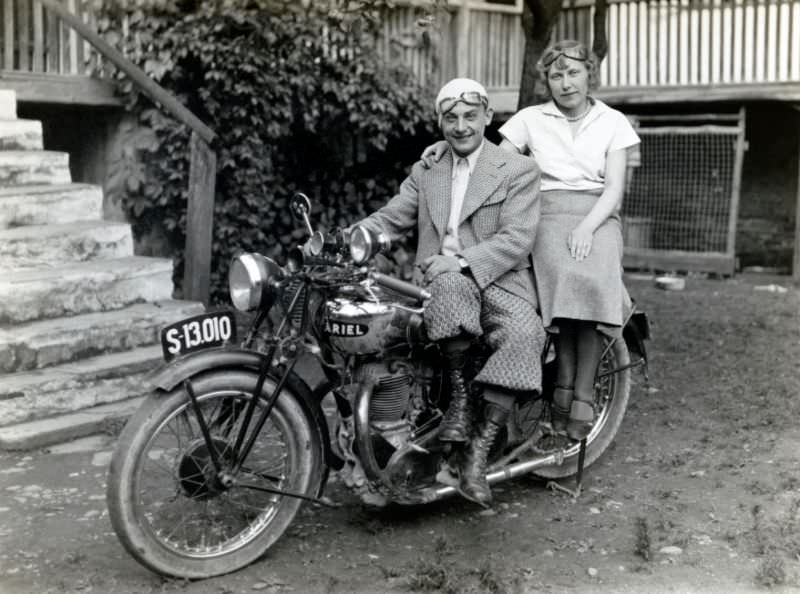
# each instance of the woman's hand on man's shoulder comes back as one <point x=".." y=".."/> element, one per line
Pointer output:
<point x="434" y="153"/>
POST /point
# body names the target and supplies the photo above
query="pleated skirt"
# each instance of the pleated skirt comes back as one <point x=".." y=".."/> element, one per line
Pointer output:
<point x="589" y="290"/>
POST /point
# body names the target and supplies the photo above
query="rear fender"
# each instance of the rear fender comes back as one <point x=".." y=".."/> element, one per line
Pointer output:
<point x="635" y="332"/>
<point x="169" y="376"/>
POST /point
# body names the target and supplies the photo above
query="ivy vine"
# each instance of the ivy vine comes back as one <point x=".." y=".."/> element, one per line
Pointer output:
<point x="301" y="100"/>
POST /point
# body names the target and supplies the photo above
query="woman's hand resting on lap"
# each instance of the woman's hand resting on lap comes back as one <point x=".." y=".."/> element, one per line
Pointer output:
<point x="579" y="242"/>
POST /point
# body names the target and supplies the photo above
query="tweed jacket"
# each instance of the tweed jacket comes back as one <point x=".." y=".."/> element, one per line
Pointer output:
<point x="498" y="219"/>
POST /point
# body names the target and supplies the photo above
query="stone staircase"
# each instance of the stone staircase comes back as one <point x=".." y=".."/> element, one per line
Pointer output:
<point x="79" y="312"/>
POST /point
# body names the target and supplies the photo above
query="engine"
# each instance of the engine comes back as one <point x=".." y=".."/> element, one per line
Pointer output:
<point x="392" y="392"/>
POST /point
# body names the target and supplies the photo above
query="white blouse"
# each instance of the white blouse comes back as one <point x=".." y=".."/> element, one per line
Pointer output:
<point x="567" y="162"/>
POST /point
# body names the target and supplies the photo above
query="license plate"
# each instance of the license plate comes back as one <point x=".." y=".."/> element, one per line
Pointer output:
<point x="199" y="332"/>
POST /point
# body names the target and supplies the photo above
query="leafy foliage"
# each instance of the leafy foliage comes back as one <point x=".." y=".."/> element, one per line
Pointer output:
<point x="301" y="100"/>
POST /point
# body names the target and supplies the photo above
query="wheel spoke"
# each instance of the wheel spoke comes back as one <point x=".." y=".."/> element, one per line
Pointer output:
<point x="186" y="510"/>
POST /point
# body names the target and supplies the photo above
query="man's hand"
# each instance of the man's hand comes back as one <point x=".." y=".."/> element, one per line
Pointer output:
<point x="580" y="243"/>
<point x="433" y="266"/>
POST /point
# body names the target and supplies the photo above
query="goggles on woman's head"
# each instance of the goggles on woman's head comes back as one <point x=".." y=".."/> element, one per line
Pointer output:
<point x="468" y="97"/>
<point x="554" y="54"/>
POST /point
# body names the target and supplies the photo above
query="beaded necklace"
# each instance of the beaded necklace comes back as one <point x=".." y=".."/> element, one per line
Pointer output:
<point x="581" y="116"/>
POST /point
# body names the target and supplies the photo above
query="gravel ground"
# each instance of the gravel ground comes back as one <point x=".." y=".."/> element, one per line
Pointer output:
<point x="699" y="493"/>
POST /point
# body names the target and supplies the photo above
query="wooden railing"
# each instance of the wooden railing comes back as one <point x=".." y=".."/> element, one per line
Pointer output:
<point x="37" y="39"/>
<point x="202" y="173"/>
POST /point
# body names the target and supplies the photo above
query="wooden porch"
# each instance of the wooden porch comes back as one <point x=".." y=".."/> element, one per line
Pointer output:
<point x="660" y="51"/>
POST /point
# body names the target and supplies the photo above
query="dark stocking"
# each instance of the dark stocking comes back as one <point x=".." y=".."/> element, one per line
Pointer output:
<point x="590" y="349"/>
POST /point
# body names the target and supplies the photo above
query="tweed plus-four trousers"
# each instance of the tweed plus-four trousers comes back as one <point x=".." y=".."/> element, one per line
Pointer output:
<point x="509" y="324"/>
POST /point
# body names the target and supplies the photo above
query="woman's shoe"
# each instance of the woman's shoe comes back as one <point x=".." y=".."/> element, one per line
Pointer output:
<point x="559" y="412"/>
<point x="581" y="415"/>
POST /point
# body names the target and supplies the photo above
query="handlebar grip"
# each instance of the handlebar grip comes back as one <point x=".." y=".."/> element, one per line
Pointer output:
<point x="395" y="284"/>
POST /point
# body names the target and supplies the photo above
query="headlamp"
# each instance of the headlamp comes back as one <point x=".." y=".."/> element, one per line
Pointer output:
<point x="251" y="281"/>
<point x="364" y="244"/>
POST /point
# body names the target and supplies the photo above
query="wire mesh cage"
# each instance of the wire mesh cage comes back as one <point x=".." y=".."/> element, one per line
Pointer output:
<point x="679" y="212"/>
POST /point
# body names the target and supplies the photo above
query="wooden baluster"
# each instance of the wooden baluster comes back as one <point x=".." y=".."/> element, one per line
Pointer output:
<point x="8" y="34"/>
<point x="53" y="48"/>
<point x="37" y="61"/>
<point x="23" y="35"/>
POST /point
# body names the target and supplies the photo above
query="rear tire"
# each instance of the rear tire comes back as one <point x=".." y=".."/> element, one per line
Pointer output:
<point x="611" y="400"/>
<point x="162" y="502"/>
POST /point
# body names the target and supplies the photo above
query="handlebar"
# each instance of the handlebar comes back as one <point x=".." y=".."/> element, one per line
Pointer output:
<point x="400" y="286"/>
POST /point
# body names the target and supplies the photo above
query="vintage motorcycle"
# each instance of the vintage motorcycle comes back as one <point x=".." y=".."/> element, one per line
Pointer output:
<point x="213" y="467"/>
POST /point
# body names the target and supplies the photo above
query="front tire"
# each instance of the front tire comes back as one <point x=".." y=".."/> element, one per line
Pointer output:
<point x="163" y="502"/>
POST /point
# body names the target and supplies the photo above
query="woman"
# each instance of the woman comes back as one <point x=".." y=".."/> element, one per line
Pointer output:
<point x="581" y="145"/>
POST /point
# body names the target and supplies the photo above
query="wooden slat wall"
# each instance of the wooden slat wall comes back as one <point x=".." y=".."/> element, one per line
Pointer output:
<point x="651" y="42"/>
<point x="495" y="49"/>
<point x="696" y="42"/>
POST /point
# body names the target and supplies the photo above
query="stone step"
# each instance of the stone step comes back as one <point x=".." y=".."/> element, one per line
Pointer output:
<point x="25" y="135"/>
<point x="83" y="287"/>
<point x="34" y="167"/>
<point x="8" y="104"/>
<point x="48" y="246"/>
<point x="51" y="342"/>
<point x="74" y="386"/>
<point x="48" y="204"/>
<point x="105" y="418"/>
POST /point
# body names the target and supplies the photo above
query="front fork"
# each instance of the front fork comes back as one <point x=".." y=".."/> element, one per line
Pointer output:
<point x="226" y="474"/>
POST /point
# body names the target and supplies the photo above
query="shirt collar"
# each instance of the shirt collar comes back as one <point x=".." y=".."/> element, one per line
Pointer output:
<point x="472" y="159"/>
<point x="550" y="108"/>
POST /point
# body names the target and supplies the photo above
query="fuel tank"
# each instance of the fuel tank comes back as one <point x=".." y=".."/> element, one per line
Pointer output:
<point x="358" y="327"/>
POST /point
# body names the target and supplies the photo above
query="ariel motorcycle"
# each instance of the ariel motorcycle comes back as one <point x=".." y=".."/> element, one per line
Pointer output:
<point x="236" y="435"/>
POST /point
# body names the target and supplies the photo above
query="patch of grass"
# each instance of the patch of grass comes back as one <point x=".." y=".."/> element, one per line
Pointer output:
<point x="778" y="535"/>
<point x="437" y="572"/>
<point x="643" y="547"/>
<point x="490" y="581"/>
<point x="432" y="575"/>
<point x="771" y="572"/>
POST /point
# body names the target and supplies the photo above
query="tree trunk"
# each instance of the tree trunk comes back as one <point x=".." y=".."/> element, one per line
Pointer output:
<point x="538" y="19"/>
<point x="600" y="41"/>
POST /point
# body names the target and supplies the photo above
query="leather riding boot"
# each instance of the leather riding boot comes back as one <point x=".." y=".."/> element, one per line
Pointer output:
<point x="581" y="415"/>
<point x="458" y="418"/>
<point x="562" y="401"/>
<point x="473" y="484"/>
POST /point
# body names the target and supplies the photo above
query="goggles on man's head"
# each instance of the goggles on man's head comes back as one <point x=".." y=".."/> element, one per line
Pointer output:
<point x="468" y="97"/>
<point x="554" y="54"/>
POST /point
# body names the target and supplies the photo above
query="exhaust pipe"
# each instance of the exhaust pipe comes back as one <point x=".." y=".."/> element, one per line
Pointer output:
<point x="507" y="473"/>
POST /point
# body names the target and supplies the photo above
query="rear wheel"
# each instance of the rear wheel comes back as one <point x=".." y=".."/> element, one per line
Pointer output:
<point x="165" y="501"/>
<point x="611" y="394"/>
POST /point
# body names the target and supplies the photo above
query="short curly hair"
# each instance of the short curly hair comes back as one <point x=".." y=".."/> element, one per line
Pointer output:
<point x="557" y="53"/>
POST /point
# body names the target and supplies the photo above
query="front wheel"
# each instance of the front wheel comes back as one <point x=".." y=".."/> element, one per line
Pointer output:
<point x="612" y="390"/>
<point x="164" y="500"/>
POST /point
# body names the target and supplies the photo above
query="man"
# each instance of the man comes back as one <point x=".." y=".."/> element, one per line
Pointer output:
<point x="476" y="212"/>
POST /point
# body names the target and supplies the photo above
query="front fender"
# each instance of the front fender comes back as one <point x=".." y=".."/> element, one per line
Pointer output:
<point x="174" y="373"/>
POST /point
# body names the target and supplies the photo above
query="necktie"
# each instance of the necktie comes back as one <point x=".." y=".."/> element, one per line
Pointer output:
<point x="452" y="245"/>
